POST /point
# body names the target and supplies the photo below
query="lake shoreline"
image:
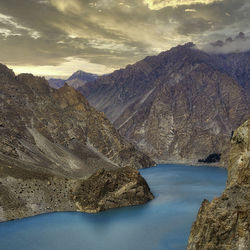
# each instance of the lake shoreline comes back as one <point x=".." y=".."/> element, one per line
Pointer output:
<point x="192" y="164"/>
<point x="49" y="211"/>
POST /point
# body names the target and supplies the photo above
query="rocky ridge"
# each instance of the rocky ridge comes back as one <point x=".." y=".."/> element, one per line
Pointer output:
<point x="50" y="142"/>
<point x="179" y="106"/>
<point x="224" y="223"/>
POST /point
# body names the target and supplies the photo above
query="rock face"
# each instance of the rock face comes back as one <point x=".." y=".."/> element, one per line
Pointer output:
<point x="109" y="189"/>
<point x="78" y="79"/>
<point x="179" y="106"/>
<point x="237" y="65"/>
<point x="225" y="222"/>
<point x="49" y="141"/>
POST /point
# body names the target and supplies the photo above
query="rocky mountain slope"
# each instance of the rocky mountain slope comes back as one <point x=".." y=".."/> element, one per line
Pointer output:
<point x="224" y="223"/>
<point x="50" y="141"/>
<point x="76" y="80"/>
<point x="179" y="106"/>
<point x="237" y="66"/>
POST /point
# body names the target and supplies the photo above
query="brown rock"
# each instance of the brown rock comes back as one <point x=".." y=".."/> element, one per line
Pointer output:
<point x="109" y="189"/>
<point x="225" y="222"/>
<point x="26" y="193"/>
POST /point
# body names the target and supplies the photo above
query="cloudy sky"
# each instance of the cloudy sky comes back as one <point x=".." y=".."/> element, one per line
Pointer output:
<point x="58" y="37"/>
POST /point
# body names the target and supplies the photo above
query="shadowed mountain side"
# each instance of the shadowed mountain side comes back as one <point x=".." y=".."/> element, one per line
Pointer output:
<point x="237" y="65"/>
<point x="179" y="106"/>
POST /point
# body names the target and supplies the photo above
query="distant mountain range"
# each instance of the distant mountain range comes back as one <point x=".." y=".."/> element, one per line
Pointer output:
<point x="179" y="106"/>
<point x="78" y="79"/>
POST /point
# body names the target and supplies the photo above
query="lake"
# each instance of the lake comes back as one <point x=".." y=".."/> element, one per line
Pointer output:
<point x="163" y="223"/>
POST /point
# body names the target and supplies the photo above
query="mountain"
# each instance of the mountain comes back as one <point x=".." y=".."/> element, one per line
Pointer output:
<point x="223" y="223"/>
<point x="78" y="79"/>
<point x="179" y="106"/>
<point x="84" y="76"/>
<point x="51" y="142"/>
<point x="56" y="83"/>
<point x="237" y="66"/>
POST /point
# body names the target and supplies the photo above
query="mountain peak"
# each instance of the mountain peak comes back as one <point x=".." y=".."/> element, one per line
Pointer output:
<point x="76" y="80"/>
<point x="188" y="45"/>
<point x="5" y="71"/>
<point x="82" y="75"/>
<point x="39" y="84"/>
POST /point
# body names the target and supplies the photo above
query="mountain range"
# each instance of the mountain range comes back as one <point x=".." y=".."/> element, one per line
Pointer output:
<point x="179" y="106"/>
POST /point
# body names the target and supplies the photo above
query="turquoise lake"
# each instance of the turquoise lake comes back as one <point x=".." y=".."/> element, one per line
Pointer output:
<point x="163" y="223"/>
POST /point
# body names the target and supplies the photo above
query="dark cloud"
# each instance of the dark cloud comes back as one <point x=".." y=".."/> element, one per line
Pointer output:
<point x="239" y="43"/>
<point x="110" y="32"/>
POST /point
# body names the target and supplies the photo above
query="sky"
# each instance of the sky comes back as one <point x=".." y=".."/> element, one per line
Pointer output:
<point x="55" y="38"/>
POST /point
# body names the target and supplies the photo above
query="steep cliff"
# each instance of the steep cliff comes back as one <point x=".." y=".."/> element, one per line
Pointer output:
<point x="179" y="106"/>
<point x="50" y="141"/>
<point x="224" y="223"/>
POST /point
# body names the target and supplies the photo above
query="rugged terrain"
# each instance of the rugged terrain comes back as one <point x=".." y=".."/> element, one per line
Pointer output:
<point x="28" y="192"/>
<point x="179" y="106"/>
<point x="50" y="141"/>
<point x="224" y="223"/>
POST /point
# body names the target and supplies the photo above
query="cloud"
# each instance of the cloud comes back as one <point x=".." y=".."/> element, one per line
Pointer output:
<point x="190" y="10"/>
<point x="239" y="43"/>
<point x="6" y="32"/>
<point x="110" y="34"/>
<point x="159" y="4"/>
<point x="65" y="69"/>
<point x="9" y="21"/>
<point x="72" y="6"/>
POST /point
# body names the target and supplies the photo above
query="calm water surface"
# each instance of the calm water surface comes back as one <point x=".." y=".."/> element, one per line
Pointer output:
<point x="163" y="223"/>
